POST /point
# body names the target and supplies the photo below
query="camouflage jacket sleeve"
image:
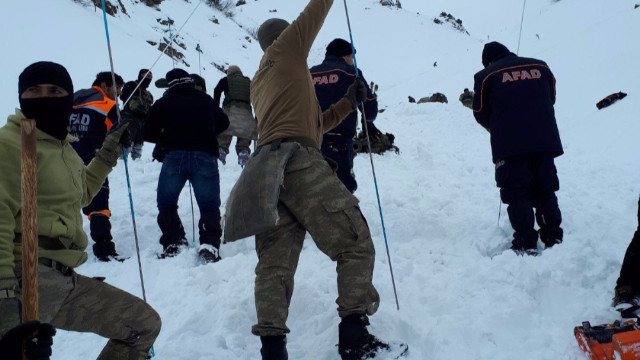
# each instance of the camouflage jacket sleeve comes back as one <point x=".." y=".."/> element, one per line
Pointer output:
<point x="140" y="102"/>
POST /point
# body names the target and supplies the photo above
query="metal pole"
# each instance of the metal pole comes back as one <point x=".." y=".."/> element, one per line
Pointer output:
<point x="373" y="170"/>
<point x="193" y="218"/>
<point x="124" y="156"/>
<point x="521" y="22"/>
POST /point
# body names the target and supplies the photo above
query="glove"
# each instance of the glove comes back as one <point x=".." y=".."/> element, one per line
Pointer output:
<point x="37" y="337"/>
<point x="136" y="151"/>
<point x="111" y="148"/>
<point x="357" y="92"/>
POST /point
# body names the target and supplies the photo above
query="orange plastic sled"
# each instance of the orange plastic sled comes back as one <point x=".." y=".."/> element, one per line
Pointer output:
<point x="616" y="341"/>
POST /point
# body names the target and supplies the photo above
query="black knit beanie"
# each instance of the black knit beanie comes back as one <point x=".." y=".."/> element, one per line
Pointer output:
<point x="269" y="31"/>
<point x="339" y="48"/>
<point x="44" y="72"/>
<point x="492" y="51"/>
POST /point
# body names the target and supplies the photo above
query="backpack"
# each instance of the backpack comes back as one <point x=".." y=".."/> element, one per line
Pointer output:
<point x="379" y="142"/>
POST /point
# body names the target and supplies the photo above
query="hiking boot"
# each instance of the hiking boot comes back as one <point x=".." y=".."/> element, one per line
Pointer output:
<point x="625" y="296"/>
<point x="274" y="347"/>
<point x="243" y="157"/>
<point x="209" y="254"/>
<point x="172" y="250"/>
<point x="525" y="243"/>
<point x="367" y="349"/>
<point x="106" y="251"/>
<point x="550" y="236"/>
<point x="355" y="342"/>
<point x="222" y="156"/>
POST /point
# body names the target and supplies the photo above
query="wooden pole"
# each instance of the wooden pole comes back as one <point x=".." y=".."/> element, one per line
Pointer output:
<point x="29" y="221"/>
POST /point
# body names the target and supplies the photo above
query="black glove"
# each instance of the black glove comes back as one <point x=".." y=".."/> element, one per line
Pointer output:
<point x="356" y="92"/>
<point x="111" y="148"/>
<point x="37" y="337"/>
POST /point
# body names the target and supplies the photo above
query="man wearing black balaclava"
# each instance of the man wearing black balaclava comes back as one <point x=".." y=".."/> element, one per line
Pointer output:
<point x="67" y="300"/>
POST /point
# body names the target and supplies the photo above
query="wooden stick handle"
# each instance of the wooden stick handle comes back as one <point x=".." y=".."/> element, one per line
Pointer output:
<point x="29" y="221"/>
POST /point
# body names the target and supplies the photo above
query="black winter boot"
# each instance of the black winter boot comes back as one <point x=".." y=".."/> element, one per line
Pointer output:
<point x="550" y="236"/>
<point x="525" y="242"/>
<point x="106" y="251"/>
<point x="274" y="347"/>
<point x="173" y="236"/>
<point x="625" y="296"/>
<point x="355" y="342"/>
<point x="100" y="228"/>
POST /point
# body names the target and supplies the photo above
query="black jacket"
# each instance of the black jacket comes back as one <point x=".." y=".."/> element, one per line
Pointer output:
<point x="185" y="119"/>
<point x="331" y="80"/>
<point x="514" y="98"/>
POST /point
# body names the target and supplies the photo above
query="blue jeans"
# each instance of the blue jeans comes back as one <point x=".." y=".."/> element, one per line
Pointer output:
<point x="201" y="169"/>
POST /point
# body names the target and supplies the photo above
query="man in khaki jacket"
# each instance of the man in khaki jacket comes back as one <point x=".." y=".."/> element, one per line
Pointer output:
<point x="67" y="300"/>
<point x="311" y="198"/>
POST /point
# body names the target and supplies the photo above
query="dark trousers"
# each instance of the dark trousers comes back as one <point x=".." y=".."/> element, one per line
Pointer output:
<point x="201" y="169"/>
<point x="100" y="202"/>
<point x="630" y="271"/>
<point x="340" y="150"/>
<point x="100" y="225"/>
<point x="526" y="183"/>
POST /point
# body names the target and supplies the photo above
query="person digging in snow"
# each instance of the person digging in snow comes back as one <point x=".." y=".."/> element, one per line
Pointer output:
<point x="513" y="100"/>
<point x="292" y="189"/>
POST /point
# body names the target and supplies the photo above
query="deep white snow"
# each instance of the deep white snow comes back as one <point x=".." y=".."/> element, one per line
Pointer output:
<point x="460" y="298"/>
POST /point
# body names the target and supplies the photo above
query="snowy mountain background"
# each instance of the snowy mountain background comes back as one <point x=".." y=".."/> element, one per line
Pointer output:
<point x="460" y="298"/>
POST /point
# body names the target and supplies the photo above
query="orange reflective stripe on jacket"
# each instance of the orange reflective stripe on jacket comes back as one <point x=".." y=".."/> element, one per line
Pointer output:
<point x="100" y="103"/>
<point x="104" y="212"/>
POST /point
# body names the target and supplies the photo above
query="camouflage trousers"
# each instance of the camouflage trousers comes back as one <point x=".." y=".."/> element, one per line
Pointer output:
<point x="224" y="142"/>
<point x="78" y="303"/>
<point x="313" y="199"/>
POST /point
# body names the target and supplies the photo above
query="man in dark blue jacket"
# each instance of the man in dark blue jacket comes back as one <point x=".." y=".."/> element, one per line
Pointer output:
<point x="331" y="79"/>
<point x="94" y="113"/>
<point x="513" y="100"/>
<point x="186" y="122"/>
